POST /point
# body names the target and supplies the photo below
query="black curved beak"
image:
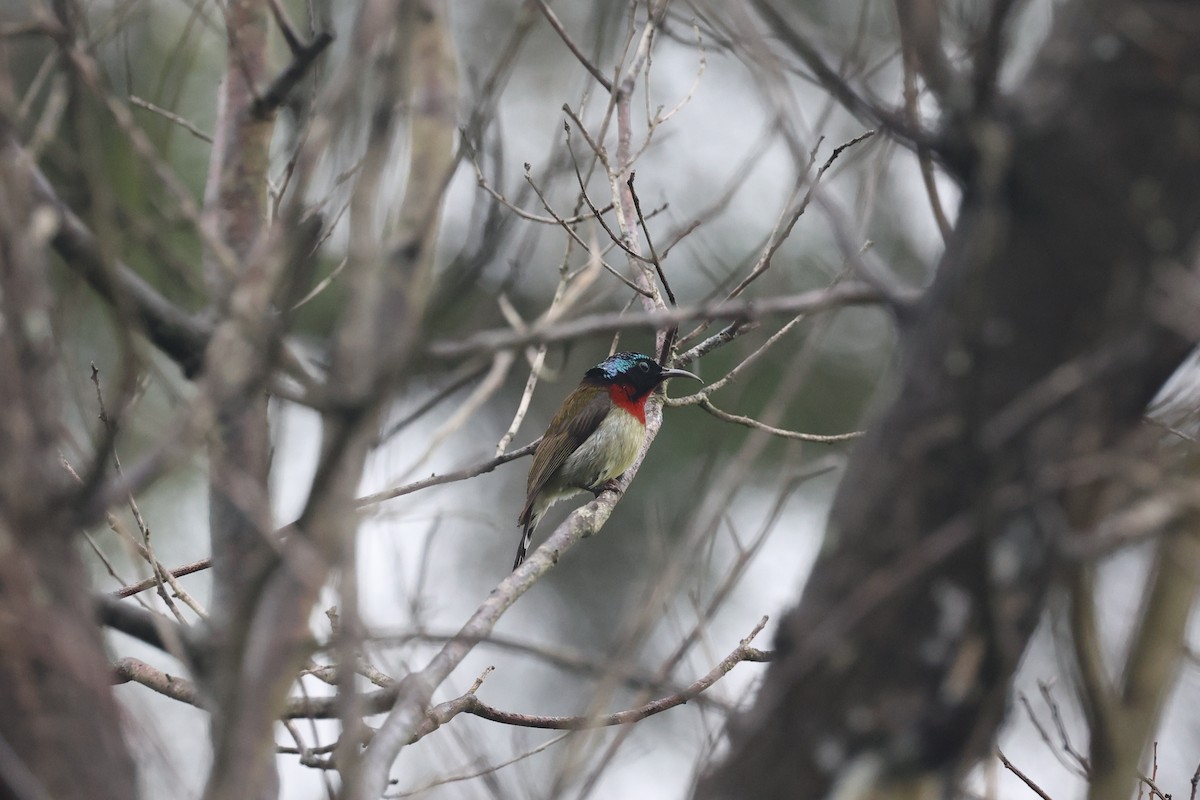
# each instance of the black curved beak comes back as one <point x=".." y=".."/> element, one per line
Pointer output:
<point x="678" y="373"/>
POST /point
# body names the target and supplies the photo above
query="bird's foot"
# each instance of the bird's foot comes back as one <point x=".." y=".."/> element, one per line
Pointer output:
<point x="608" y="486"/>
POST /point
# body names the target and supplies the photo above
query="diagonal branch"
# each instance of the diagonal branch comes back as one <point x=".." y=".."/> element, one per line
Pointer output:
<point x="557" y="25"/>
<point x="178" y="333"/>
<point x="832" y="81"/>
<point x="304" y="57"/>
<point x="412" y="702"/>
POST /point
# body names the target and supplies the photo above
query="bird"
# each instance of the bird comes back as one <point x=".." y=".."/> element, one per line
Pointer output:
<point x="594" y="436"/>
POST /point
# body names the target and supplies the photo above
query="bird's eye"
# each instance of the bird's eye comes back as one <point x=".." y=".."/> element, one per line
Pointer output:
<point x="644" y="366"/>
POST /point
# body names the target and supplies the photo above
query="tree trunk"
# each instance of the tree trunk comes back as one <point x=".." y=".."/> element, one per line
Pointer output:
<point x="1028" y="364"/>
<point x="60" y="735"/>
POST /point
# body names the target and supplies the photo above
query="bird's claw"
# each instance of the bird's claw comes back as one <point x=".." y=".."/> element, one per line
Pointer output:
<point x="608" y="486"/>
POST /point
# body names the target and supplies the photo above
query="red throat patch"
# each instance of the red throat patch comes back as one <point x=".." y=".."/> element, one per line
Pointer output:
<point x="623" y="397"/>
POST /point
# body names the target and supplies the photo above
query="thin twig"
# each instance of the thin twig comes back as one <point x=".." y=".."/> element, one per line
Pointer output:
<point x="145" y="549"/>
<point x="150" y="583"/>
<point x="637" y="204"/>
<point x="782" y="433"/>
<point x="573" y="234"/>
<point x="1046" y="738"/>
<point x="597" y="149"/>
<point x="449" y="477"/>
<point x="718" y="339"/>
<point x="491" y="383"/>
<point x="557" y="25"/>
<point x="535" y="369"/>
<point x="619" y="241"/>
<point x="496" y="195"/>
<point x="323" y="284"/>
<point x="173" y="117"/>
<point x="458" y="380"/>
<point x="562" y="299"/>
<point x="1060" y="725"/>
<point x="831" y="80"/>
<point x="286" y="28"/>
<point x="480" y="772"/>
<point x="764" y="261"/>
<point x="1024" y="778"/>
<point x="90" y="74"/>
<point x="924" y="156"/>
<point x="732" y="374"/>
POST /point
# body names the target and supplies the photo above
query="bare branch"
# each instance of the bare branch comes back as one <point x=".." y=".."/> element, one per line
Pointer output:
<point x="179" y="334"/>
<point x="1025" y="779"/>
<point x="849" y="293"/>
<point x="173" y="117"/>
<point x="150" y="583"/>
<point x="303" y="59"/>
<point x="750" y="422"/>
<point x="449" y="477"/>
<point x="470" y="704"/>
<point x="924" y="157"/>
<point x="557" y="25"/>
<point x="131" y="669"/>
<point x="921" y="34"/>
<point x="835" y="83"/>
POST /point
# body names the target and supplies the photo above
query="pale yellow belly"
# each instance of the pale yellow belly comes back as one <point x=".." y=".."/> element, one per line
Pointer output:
<point x="607" y="453"/>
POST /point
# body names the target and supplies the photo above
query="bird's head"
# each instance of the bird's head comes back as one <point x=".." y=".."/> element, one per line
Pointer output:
<point x="637" y="374"/>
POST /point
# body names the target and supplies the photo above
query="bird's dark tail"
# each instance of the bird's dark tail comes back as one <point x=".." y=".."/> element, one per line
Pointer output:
<point x="528" y="521"/>
<point x="523" y="545"/>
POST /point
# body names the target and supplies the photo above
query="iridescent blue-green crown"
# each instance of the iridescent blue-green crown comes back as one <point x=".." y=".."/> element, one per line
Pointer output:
<point x="621" y="363"/>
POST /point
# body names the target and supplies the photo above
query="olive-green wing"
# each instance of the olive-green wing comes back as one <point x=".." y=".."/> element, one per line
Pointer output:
<point x="576" y="420"/>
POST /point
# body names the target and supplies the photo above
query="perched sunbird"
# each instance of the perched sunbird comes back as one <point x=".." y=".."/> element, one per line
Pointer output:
<point x="594" y="437"/>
